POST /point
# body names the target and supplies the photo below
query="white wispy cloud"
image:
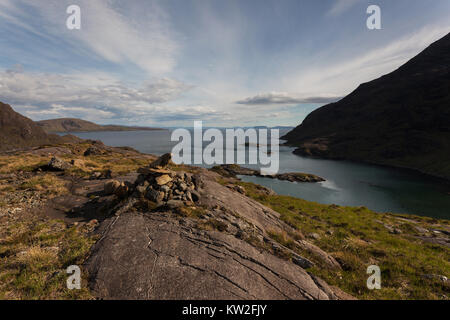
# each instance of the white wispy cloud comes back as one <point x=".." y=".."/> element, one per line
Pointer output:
<point x="108" y="30"/>
<point x="342" y="76"/>
<point x="341" y="6"/>
<point x="99" y="94"/>
<point x="23" y="87"/>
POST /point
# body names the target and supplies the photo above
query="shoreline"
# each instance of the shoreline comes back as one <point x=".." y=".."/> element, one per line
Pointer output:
<point x="414" y="171"/>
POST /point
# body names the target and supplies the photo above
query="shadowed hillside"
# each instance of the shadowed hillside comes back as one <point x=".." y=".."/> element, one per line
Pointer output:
<point x="401" y="119"/>
<point x="18" y="132"/>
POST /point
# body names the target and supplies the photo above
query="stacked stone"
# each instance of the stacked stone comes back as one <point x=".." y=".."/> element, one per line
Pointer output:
<point x="162" y="186"/>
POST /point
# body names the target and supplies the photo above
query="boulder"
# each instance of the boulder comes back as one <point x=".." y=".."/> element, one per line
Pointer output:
<point x="111" y="187"/>
<point x="154" y="195"/>
<point x="57" y="164"/>
<point x="93" y="151"/>
<point x="162" y="161"/>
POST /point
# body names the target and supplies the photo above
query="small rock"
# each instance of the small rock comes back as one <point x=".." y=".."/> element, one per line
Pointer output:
<point x="314" y="235"/>
<point x="182" y="186"/>
<point x="174" y="204"/>
<point x="165" y="189"/>
<point x="420" y="229"/>
<point x="195" y="195"/>
<point x="302" y="262"/>
<point x="95" y="175"/>
<point x="141" y="189"/>
<point x="396" y="231"/>
<point x="161" y="180"/>
<point x="121" y="191"/>
<point x="436" y="276"/>
<point x="154" y="195"/>
<point x="239" y="189"/>
<point x="58" y="164"/>
<point x="111" y="187"/>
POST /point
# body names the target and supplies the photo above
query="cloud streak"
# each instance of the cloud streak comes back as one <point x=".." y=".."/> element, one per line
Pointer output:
<point x="108" y="32"/>
<point x="285" y="98"/>
<point x="341" y="6"/>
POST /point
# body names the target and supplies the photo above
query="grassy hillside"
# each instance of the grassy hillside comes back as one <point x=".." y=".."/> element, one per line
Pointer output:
<point x="411" y="262"/>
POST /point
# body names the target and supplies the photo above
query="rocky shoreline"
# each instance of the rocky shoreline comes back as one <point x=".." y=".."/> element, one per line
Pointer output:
<point x="233" y="170"/>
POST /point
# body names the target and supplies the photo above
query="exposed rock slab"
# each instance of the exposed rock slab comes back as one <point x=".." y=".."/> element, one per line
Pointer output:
<point x="163" y="259"/>
<point x="164" y="254"/>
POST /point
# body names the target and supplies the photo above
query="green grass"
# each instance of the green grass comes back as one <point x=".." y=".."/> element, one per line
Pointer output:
<point x="357" y="239"/>
<point x="34" y="258"/>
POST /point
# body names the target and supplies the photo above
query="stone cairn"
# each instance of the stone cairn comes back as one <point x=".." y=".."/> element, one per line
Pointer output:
<point x="158" y="184"/>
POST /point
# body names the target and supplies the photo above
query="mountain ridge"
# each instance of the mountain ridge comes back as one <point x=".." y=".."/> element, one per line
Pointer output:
<point x="19" y="132"/>
<point x="401" y="119"/>
<point x="80" y="125"/>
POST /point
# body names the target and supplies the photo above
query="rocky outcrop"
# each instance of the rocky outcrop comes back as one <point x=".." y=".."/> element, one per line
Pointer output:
<point x="401" y="119"/>
<point x="157" y="256"/>
<point x="182" y="235"/>
<point x="233" y="170"/>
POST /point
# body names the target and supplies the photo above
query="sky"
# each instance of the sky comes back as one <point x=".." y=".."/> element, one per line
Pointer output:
<point x="167" y="63"/>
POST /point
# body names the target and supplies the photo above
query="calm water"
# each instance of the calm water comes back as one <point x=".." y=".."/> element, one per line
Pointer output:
<point x="347" y="183"/>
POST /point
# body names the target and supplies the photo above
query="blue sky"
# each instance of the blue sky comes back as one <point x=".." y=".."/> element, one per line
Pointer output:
<point x="226" y="62"/>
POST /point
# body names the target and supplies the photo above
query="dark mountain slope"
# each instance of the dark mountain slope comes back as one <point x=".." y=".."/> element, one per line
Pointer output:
<point x="18" y="132"/>
<point x="401" y="119"/>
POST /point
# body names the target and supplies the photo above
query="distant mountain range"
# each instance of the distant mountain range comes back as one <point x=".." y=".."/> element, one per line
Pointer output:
<point x="19" y="132"/>
<point x="78" y="125"/>
<point x="401" y="119"/>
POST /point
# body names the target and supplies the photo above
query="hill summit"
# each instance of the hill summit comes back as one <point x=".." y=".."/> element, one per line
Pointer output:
<point x="401" y="119"/>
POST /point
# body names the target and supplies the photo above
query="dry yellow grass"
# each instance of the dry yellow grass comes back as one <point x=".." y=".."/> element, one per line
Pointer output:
<point x="48" y="183"/>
